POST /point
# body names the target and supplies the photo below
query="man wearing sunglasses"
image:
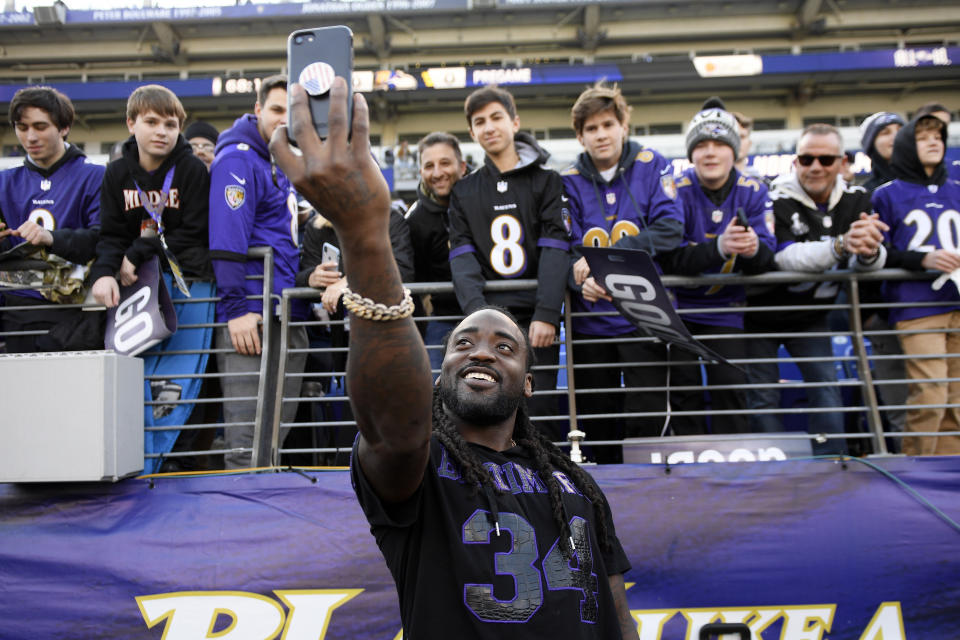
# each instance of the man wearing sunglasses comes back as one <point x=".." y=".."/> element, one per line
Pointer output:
<point x="820" y="223"/>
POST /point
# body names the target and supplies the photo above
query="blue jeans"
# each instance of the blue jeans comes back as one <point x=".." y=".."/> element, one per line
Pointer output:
<point x="823" y="397"/>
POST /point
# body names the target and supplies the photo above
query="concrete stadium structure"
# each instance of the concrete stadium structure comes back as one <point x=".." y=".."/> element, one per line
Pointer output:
<point x="797" y="61"/>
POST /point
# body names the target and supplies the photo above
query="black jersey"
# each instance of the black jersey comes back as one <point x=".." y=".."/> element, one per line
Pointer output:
<point x="511" y="225"/>
<point x="458" y="578"/>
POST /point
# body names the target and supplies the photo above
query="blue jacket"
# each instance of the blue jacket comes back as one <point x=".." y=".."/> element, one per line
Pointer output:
<point x="636" y="209"/>
<point x="250" y="206"/>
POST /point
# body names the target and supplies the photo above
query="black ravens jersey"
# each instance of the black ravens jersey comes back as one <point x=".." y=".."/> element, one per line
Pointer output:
<point x="490" y="565"/>
<point x="510" y="225"/>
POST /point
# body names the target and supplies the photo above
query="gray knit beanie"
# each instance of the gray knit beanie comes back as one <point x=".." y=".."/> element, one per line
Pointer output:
<point x="874" y="124"/>
<point x="713" y="122"/>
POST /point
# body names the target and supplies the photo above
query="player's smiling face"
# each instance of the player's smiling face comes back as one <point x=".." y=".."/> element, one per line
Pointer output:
<point x="602" y="136"/>
<point x="156" y="136"/>
<point x="484" y="373"/>
<point x="493" y="128"/>
<point x="713" y="161"/>
<point x="40" y="137"/>
<point x="440" y="169"/>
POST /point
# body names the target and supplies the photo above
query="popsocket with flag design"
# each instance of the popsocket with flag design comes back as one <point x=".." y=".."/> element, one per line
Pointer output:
<point x="317" y="78"/>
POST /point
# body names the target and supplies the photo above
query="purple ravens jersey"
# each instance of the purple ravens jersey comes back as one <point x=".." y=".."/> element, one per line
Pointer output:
<point x="921" y="218"/>
<point x="67" y="196"/>
<point x="704" y="222"/>
<point x="250" y="206"/>
<point x="636" y="209"/>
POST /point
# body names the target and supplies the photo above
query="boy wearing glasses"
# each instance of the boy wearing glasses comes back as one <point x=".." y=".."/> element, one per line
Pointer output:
<point x="820" y="223"/>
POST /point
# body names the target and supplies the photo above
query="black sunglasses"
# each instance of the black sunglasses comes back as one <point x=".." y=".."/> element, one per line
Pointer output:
<point x="825" y="161"/>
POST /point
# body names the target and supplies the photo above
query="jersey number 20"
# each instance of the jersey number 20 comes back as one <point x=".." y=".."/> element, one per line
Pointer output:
<point x="948" y="230"/>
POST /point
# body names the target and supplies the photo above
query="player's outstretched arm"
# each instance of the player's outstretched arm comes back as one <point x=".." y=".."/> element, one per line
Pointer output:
<point x="628" y="626"/>
<point x="388" y="373"/>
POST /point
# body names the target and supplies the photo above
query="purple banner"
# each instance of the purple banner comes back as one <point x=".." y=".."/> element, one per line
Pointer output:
<point x="906" y="58"/>
<point x="809" y="549"/>
<point x="80" y="91"/>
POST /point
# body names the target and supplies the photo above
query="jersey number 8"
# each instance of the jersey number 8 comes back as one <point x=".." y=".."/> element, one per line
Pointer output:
<point x="507" y="256"/>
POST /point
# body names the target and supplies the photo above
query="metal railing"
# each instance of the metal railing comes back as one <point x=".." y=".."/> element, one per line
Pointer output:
<point x="869" y="409"/>
<point x="863" y="409"/>
<point x="196" y="425"/>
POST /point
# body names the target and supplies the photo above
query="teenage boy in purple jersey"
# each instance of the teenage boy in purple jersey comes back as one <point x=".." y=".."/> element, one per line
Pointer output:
<point x="715" y="196"/>
<point x="921" y="205"/>
<point x="252" y="204"/>
<point x="620" y="195"/>
<point x="52" y="200"/>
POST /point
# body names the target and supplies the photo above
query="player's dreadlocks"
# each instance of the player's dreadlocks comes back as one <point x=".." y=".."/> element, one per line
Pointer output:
<point x="546" y="455"/>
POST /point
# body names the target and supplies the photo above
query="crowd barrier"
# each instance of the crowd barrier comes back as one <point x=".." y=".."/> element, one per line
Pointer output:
<point x="323" y="431"/>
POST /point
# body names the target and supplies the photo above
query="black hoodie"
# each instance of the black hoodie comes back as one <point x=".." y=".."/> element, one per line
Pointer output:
<point x="881" y="171"/>
<point x="430" y="236"/>
<point x="905" y="165"/>
<point x="185" y="218"/>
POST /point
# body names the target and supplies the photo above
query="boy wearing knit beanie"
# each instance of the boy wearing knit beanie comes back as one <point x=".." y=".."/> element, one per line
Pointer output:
<point x="876" y="139"/>
<point x="717" y="200"/>
<point x="202" y="137"/>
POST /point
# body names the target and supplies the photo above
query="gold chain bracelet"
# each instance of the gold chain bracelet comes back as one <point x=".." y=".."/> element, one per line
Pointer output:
<point x="369" y="310"/>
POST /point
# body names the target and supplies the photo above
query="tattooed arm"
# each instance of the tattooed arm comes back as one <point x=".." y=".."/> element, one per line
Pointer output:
<point x="388" y="373"/>
<point x="628" y="626"/>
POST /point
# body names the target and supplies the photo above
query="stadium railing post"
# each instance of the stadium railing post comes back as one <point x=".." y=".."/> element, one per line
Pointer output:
<point x="266" y="394"/>
<point x="863" y="367"/>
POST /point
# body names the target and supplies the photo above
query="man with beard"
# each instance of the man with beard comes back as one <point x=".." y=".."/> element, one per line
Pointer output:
<point x="532" y="550"/>
<point x="441" y="166"/>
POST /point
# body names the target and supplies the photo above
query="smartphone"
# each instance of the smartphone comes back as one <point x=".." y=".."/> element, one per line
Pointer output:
<point x="330" y="253"/>
<point x="314" y="58"/>
<point x="742" y="218"/>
